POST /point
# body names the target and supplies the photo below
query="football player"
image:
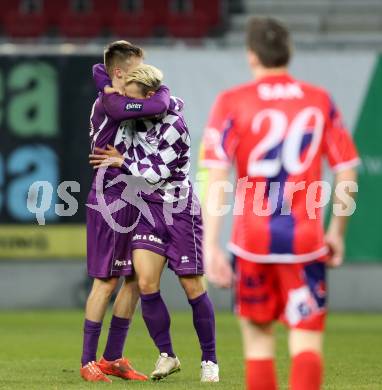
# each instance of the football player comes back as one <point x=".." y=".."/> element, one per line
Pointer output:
<point x="275" y="132"/>
<point x="108" y="251"/>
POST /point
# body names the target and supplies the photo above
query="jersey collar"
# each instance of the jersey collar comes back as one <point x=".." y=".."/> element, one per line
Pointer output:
<point x="275" y="78"/>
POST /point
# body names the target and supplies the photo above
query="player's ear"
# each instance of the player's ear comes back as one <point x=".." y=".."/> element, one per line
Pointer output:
<point x="149" y="94"/>
<point x="253" y="59"/>
<point x="118" y="73"/>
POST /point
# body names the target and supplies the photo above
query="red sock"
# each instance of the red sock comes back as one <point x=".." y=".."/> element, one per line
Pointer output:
<point x="306" y="372"/>
<point x="261" y="375"/>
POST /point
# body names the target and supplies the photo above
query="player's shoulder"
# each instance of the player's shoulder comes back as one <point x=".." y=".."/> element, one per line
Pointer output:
<point x="108" y="97"/>
<point x="176" y="104"/>
<point x="237" y="91"/>
<point x="97" y="105"/>
<point x="173" y="121"/>
<point x="313" y="89"/>
<point x="250" y="87"/>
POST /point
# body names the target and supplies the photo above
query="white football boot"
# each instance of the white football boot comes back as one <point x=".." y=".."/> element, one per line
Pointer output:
<point x="209" y="372"/>
<point x="165" y="366"/>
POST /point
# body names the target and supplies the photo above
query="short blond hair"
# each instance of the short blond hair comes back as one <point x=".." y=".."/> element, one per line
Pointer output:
<point x="147" y="76"/>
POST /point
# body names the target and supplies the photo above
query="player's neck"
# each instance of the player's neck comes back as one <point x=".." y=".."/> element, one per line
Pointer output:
<point x="262" y="72"/>
<point x="117" y="84"/>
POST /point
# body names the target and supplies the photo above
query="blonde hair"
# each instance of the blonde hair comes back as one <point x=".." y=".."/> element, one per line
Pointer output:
<point x="148" y="76"/>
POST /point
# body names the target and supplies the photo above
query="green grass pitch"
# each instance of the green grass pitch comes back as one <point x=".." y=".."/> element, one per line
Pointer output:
<point x="41" y="350"/>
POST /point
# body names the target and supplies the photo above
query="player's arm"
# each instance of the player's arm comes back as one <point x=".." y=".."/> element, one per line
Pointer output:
<point x="155" y="167"/>
<point x="122" y="108"/>
<point x="335" y="234"/>
<point x="158" y="166"/>
<point x="102" y="79"/>
<point x="343" y="160"/>
<point x="215" y="161"/>
<point x="218" y="269"/>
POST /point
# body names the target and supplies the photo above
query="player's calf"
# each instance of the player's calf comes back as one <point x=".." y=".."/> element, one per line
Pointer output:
<point x="259" y="350"/>
<point x="307" y="369"/>
<point x="95" y="310"/>
<point x="99" y="298"/>
<point x="204" y="324"/>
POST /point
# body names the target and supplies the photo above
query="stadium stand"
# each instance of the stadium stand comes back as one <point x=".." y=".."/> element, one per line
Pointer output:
<point x="319" y="22"/>
<point x="99" y="19"/>
<point x="135" y="18"/>
<point x="79" y="18"/>
<point x="24" y="19"/>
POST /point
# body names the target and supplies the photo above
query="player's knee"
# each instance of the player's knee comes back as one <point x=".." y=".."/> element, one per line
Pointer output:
<point x="301" y="340"/>
<point x="130" y="286"/>
<point x="148" y="286"/>
<point x="104" y="287"/>
<point x="257" y="329"/>
<point x="193" y="286"/>
<point x="258" y="339"/>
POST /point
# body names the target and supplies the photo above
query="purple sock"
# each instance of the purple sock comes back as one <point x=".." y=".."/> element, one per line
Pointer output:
<point x="116" y="338"/>
<point x="204" y="323"/>
<point x="92" y="331"/>
<point x="157" y="319"/>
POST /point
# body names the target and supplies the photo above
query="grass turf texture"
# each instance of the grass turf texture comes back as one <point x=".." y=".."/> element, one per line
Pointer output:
<point x="41" y="350"/>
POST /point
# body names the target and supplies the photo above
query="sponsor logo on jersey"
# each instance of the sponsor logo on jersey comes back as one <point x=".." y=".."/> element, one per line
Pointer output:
<point x="147" y="237"/>
<point x="134" y="106"/>
<point x="120" y="263"/>
<point x="185" y="259"/>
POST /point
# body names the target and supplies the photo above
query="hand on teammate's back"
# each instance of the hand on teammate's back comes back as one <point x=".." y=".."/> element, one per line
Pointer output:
<point x="109" y="89"/>
<point x="218" y="269"/>
<point x="109" y="157"/>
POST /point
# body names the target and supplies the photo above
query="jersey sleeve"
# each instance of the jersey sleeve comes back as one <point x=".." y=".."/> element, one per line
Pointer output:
<point x="338" y="144"/>
<point x="219" y="139"/>
<point x="122" y="108"/>
<point x="101" y="77"/>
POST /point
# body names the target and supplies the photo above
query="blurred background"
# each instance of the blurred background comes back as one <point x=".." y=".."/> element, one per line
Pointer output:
<point x="47" y="49"/>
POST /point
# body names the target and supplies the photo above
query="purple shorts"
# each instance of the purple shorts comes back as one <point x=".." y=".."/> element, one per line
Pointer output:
<point x="109" y="250"/>
<point x="180" y="241"/>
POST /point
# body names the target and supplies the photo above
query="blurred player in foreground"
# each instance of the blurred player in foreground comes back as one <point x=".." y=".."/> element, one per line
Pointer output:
<point x="276" y="131"/>
<point x="108" y="250"/>
<point x="158" y="150"/>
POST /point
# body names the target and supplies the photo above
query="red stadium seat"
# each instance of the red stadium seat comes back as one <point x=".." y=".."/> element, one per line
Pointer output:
<point x="123" y="18"/>
<point x="7" y="6"/>
<point x="142" y="21"/>
<point x="194" y="25"/>
<point x="131" y="25"/>
<point x="20" y="22"/>
<point x="80" y="23"/>
<point x="54" y="9"/>
<point x="213" y="9"/>
<point x="106" y="10"/>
